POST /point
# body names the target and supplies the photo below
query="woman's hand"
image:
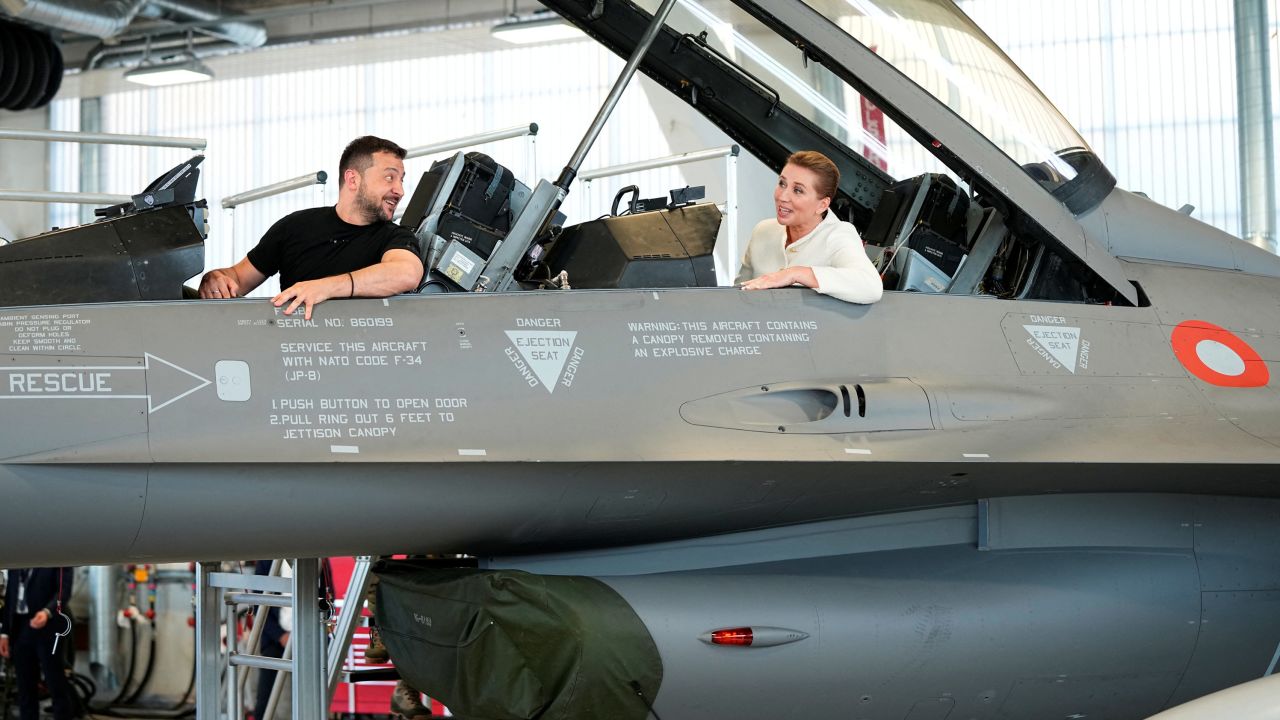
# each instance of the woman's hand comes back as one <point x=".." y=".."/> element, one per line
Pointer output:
<point x="786" y="277"/>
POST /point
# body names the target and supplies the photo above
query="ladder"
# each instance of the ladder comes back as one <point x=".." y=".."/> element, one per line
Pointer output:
<point x="221" y="672"/>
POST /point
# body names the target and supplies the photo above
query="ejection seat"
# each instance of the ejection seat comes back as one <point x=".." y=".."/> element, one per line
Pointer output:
<point x="922" y="230"/>
<point x="461" y="210"/>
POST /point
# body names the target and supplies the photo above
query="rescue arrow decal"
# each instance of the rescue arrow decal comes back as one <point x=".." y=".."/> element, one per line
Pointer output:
<point x="158" y="379"/>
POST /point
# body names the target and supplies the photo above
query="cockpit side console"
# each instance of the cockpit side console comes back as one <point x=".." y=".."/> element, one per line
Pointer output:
<point x="465" y="205"/>
<point x="656" y="249"/>
<point x="144" y="249"/>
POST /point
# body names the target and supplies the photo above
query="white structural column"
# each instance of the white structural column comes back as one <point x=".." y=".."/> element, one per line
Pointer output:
<point x="1257" y="141"/>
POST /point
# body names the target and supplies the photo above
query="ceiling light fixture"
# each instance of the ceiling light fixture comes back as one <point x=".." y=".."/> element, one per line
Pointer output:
<point x="183" y="68"/>
<point x="535" y="28"/>
<point x="175" y="72"/>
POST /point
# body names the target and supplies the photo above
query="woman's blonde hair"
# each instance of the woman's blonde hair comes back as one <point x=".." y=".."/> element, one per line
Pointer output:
<point x="821" y="165"/>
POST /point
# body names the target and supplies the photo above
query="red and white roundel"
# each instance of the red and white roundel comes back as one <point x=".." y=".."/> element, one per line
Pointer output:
<point x="1217" y="356"/>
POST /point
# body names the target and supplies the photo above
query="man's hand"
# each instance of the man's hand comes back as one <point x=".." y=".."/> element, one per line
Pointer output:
<point x="231" y="282"/>
<point x="4" y="646"/>
<point x="40" y="619"/>
<point x="786" y="277"/>
<point x="310" y="293"/>
<point x="220" y="283"/>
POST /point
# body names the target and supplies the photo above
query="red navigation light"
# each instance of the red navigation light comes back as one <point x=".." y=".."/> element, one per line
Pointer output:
<point x="732" y="636"/>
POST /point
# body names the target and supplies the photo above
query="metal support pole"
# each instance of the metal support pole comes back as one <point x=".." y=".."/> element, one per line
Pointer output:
<point x="531" y="154"/>
<point x="91" y="163"/>
<point x="255" y="635"/>
<point x="235" y="709"/>
<point x="730" y="219"/>
<point x="273" y="701"/>
<point x="661" y="162"/>
<point x="208" y="644"/>
<point x="103" y="138"/>
<point x="470" y="140"/>
<point x="229" y="247"/>
<point x="316" y="178"/>
<point x="102" y="631"/>
<point x="352" y="607"/>
<point x="275" y="601"/>
<point x="615" y="94"/>
<point x="547" y="197"/>
<point x="1257" y="142"/>
<point x="262" y="663"/>
<point x="48" y="196"/>
<point x="308" y="642"/>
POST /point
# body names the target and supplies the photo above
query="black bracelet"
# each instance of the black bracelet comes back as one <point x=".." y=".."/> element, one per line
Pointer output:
<point x="352" y="278"/>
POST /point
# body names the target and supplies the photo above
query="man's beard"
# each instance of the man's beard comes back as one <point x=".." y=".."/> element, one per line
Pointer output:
<point x="370" y="208"/>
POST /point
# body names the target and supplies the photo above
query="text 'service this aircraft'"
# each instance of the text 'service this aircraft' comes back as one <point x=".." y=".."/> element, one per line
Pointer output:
<point x="1037" y="480"/>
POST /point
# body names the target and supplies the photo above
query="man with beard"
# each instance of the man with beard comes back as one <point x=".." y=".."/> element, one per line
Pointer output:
<point x="352" y="249"/>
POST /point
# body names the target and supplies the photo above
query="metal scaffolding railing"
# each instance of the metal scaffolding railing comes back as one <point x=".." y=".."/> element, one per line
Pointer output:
<point x="530" y="130"/>
<point x="730" y="207"/>
<point x="316" y="178"/>
<point x="86" y="198"/>
<point x="314" y="662"/>
<point x="50" y="196"/>
<point x="103" y="138"/>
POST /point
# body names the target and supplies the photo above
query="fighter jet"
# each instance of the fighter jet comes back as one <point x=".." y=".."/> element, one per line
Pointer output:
<point x="1038" y="479"/>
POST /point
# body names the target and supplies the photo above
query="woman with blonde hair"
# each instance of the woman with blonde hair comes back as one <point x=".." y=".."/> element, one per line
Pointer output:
<point x="805" y="243"/>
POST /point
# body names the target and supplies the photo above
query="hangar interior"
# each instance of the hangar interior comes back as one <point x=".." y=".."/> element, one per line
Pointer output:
<point x="1140" y="78"/>
<point x="1159" y="89"/>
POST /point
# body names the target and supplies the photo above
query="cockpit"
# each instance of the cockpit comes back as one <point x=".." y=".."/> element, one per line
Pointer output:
<point x="910" y="98"/>
<point x="960" y="176"/>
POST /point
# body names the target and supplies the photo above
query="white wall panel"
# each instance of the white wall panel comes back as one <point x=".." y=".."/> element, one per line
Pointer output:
<point x="1149" y="83"/>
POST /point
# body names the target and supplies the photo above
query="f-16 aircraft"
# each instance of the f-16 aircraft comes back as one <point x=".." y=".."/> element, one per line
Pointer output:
<point x="1037" y="480"/>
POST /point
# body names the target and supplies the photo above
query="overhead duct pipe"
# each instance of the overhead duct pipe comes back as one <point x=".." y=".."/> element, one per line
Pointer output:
<point x="109" y="18"/>
<point x="135" y="51"/>
<point x="99" y="18"/>
<point x="245" y="34"/>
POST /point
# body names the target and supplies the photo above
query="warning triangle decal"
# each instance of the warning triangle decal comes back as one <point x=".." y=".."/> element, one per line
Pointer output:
<point x="1063" y="343"/>
<point x="545" y="351"/>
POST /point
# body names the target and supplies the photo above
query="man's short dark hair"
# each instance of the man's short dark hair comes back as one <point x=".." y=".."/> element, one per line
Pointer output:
<point x="358" y="155"/>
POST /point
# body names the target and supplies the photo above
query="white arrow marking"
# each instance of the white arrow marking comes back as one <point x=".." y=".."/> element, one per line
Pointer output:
<point x="107" y="395"/>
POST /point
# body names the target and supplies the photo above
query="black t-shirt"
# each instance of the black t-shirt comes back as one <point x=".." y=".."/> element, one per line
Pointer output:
<point x="316" y="243"/>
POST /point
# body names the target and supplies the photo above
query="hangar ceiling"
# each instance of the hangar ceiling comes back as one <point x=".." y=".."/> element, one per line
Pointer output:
<point x="97" y="34"/>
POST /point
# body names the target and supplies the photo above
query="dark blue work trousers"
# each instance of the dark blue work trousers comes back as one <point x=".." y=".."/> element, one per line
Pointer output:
<point x="31" y="652"/>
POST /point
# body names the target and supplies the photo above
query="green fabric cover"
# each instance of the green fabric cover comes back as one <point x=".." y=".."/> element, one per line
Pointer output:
<point x="507" y="645"/>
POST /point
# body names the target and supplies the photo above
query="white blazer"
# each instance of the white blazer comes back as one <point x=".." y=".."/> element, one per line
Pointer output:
<point x="833" y="249"/>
